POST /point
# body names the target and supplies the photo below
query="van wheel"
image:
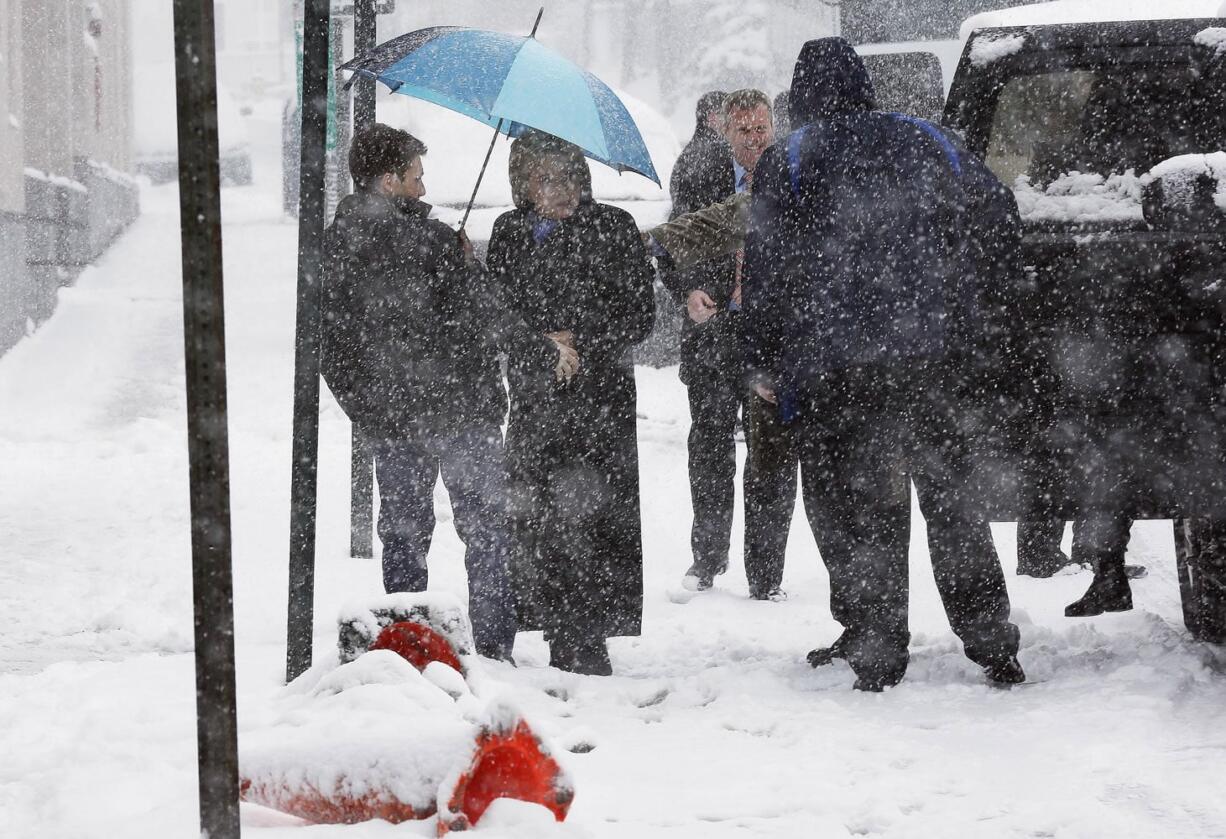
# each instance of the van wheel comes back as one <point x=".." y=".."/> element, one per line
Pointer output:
<point x="1200" y="556"/>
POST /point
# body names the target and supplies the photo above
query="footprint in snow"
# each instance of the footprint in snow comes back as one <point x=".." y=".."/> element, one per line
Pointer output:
<point x="653" y="699"/>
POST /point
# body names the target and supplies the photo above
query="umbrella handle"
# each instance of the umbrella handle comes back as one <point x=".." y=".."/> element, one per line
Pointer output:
<point x="490" y="151"/>
<point x="480" y="175"/>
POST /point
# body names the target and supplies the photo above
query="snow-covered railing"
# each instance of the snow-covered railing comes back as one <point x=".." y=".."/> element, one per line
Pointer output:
<point x="55" y="180"/>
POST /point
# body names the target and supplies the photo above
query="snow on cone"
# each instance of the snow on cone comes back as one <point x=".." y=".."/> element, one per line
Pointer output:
<point x="393" y="730"/>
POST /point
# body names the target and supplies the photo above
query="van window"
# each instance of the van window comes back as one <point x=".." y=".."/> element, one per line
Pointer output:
<point x="1034" y="114"/>
<point x="1104" y="120"/>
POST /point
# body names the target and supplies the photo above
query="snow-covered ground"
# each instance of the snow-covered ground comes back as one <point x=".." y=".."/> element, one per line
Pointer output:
<point x="713" y="725"/>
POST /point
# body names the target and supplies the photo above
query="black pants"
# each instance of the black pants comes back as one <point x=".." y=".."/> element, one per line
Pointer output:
<point x="471" y="463"/>
<point x="863" y="436"/>
<point x="769" y="484"/>
<point x="770" y="494"/>
<point x="1038" y="546"/>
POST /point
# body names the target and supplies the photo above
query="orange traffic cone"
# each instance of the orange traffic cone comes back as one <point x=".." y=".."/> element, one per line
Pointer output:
<point x="510" y="763"/>
<point x="417" y="644"/>
<point x="376" y="738"/>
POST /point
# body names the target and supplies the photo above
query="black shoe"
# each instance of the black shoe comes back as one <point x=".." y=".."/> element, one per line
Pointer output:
<point x="1008" y="672"/>
<point x="876" y="684"/>
<point x="698" y="578"/>
<point x="775" y="595"/>
<point x="1108" y="592"/>
<point x="1135" y="572"/>
<point x="825" y="655"/>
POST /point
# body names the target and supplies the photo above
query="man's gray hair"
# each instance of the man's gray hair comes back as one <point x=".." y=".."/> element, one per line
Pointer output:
<point x="745" y="99"/>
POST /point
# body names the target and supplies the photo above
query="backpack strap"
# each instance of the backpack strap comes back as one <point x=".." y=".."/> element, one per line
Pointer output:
<point x="794" y="141"/>
<point x="951" y="152"/>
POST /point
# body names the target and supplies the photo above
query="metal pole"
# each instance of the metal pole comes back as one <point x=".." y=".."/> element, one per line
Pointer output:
<point x="204" y="345"/>
<point x="361" y="458"/>
<point x="364" y="34"/>
<point x="304" y="469"/>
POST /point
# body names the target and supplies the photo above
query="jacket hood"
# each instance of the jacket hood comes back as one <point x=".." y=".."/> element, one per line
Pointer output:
<point x="829" y="79"/>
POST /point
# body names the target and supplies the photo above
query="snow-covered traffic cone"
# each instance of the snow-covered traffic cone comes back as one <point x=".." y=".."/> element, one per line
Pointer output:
<point x="396" y="731"/>
<point x="369" y="626"/>
<point x="417" y="644"/>
<point x="510" y="762"/>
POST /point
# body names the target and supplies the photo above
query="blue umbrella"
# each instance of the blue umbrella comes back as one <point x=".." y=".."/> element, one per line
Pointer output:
<point x="512" y="84"/>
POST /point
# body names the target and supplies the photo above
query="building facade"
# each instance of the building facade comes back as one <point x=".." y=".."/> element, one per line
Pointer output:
<point x="889" y="21"/>
<point x="65" y="148"/>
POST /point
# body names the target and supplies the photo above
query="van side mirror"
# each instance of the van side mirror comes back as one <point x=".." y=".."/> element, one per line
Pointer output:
<point x="1186" y="192"/>
<point x="908" y="83"/>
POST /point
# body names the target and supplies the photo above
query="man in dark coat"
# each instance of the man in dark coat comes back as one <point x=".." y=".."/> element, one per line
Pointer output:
<point x="410" y="336"/>
<point x="708" y="172"/>
<point x="869" y="233"/>
<point x="704" y="167"/>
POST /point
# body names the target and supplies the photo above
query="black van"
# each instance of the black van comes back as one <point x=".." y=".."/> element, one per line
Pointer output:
<point x="1102" y="388"/>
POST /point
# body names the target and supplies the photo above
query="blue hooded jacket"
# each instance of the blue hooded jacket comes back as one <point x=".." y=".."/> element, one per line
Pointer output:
<point x="870" y="233"/>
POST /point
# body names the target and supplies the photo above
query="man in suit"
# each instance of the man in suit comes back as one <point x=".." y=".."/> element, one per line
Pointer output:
<point x="709" y="172"/>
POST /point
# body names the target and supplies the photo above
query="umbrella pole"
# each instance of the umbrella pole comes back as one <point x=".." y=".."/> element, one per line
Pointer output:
<point x="497" y="130"/>
<point x="481" y="174"/>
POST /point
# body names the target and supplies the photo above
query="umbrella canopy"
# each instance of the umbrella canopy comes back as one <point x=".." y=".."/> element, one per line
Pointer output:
<point x="511" y="83"/>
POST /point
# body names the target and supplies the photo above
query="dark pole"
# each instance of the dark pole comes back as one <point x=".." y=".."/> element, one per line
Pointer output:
<point x="490" y="150"/>
<point x="361" y="485"/>
<point x="364" y="33"/>
<point x="204" y="347"/>
<point x="304" y="469"/>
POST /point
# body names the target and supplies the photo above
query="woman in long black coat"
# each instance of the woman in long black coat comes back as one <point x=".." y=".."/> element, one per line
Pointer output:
<point x="578" y="270"/>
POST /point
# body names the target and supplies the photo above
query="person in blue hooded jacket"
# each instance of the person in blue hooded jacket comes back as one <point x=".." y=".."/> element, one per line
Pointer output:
<point x="868" y="234"/>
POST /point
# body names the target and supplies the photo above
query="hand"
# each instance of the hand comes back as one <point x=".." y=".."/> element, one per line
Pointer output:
<point x="699" y="306"/>
<point x="470" y="253"/>
<point x="563" y="336"/>
<point x="568" y="362"/>
<point x="766" y="392"/>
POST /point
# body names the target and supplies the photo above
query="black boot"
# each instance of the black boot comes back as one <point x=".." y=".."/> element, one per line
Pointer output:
<point x="588" y="657"/>
<point x="592" y="658"/>
<point x="1008" y="672"/>
<point x="1109" y="592"/>
<point x="877" y="683"/>
<point x="1048" y="564"/>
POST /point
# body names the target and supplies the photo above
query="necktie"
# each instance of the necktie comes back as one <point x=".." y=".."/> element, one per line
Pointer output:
<point x="747" y="183"/>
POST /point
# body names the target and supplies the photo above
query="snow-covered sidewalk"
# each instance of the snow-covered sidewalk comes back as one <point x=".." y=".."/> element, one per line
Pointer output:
<point x="713" y="726"/>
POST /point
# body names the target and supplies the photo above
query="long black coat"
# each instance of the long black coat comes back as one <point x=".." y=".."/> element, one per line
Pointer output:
<point x="411" y="332"/>
<point x="572" y="448"/>
<point x="703" y="175"/>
